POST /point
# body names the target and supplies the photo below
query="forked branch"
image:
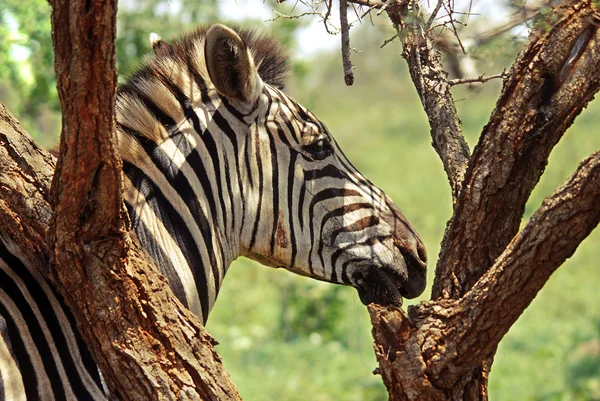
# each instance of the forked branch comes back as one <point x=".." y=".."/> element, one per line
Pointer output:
<point x="492" y="306"/>
<point x="553" y="79"/>
<point x="429" y="78"/>
<point x="424" y="355"/>
<point x="441" y="350"/>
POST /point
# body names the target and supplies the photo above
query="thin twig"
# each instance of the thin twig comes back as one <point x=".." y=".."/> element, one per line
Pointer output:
<point x="284" y="16"/>
<point x="469" y="12"/>
<point x="454" y="30"/>
<point x="371" y="16"/>
<point x="356" y="13"/>
<point x="370" y="3"/>
<point x="514" y="20"/>
<point x="481" y="79"/>
<point x="368" y="12"/>
<point x="433" y="14"/>
<point x="385" y="42"/>
<point x="294" y="6"/>
<point x="328" y="4"/>
<point x="348" y="74"/>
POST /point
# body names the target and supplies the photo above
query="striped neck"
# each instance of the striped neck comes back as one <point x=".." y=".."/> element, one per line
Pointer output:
<point x="185" y="198"/>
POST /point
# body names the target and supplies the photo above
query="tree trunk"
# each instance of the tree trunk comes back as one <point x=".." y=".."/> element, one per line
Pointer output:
<point x="164" y="352"/>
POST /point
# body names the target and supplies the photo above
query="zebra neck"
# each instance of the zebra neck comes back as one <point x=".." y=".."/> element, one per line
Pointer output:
<point x="183" y="222"/>
<point x="184" y="190"/>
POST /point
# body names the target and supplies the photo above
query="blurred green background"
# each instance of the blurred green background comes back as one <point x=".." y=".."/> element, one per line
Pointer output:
<point x="285" y="337"/>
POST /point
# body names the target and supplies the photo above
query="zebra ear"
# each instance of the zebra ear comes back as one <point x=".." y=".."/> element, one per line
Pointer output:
<point x="159" y="46"/>
<point x="230" y="65"/>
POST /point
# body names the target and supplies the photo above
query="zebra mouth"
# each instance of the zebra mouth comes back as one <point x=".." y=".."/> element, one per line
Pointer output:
<point x="380" y="285"/>
<point x="387" y="285"/>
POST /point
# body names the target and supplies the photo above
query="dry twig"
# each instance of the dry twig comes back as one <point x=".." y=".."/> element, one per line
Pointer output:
<point x="480" y="79"/>
<point x="388" y="40"/>
<point x="433" y="14"/>
<point x="348" y="74"/>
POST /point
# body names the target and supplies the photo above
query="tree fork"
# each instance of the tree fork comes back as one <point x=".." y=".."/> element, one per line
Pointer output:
<point x="551" y="82"/>
<point x="435" y="352"/>
<point x="424" y="354"/>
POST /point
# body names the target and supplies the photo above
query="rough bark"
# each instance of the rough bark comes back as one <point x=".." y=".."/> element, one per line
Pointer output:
<point x="138" y="330"/>
<point x="25" y="176"/>
<point x="25" y="214"/>
<point x="345" y="33"/>
<point x="430" y="80"/>
<point x="551" y="235"/>
<point x="424" y="356"/>
<point x="553" y="79"/>
<point x="431" y="83"/>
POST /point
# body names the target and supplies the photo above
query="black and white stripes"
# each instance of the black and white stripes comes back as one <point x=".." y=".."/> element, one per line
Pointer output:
<point x="218" y="163"/>
<point x="42" y="356"/>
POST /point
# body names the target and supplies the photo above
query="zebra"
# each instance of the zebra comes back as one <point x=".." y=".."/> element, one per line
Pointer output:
<point x="218" y="162"/>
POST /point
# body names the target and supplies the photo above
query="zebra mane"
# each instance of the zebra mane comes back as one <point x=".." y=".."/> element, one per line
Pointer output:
<point x="157" y="94"/>
<point x="269" y="55"/>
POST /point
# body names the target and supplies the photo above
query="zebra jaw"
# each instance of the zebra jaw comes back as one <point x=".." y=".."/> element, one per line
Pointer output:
<point x="375" y="283"/>
<point x="382" y="284"/>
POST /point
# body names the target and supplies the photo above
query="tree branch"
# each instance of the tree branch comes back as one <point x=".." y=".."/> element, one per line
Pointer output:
<point x="348" y="74"/>
<point x="492" y="306"/>
<point x="434" y="14"/>
<point x="430" y="81"/>
<point x="424" y="355"/>
<point x="527" y="12"/>
<point x="443" y="349"/>
<point x="535" y="108"/>
<point x="374" y="4"/>
<point x="480" y="79"/>
<point x="147" y="345"/>
<point x="25" y="176"/>
<point x="401" y="364"/>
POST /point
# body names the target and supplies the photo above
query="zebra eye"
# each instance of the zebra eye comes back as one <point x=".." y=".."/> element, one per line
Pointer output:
<point x="319" y="149"/>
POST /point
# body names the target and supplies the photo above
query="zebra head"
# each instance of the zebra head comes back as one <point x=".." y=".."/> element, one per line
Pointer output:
<point x="220" y="163"/>
<point x="307" y="208"/>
